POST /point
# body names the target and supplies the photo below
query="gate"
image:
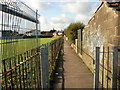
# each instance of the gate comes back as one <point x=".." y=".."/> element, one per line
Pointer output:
<point x="106" y="68"/>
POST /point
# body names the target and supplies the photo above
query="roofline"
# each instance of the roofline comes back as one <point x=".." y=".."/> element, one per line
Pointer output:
<point x="95" y="12"/>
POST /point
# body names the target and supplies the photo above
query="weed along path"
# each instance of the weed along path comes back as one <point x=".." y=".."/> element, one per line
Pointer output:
<point x="74" y="73"/>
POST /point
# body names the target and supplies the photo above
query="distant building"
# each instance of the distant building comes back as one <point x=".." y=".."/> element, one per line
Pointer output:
<point x="55" y="33"/>
<point x="32" y="33"/>
<point x="9" y="33"/>
<point x="46" y="33"/>
<point x="53" y="30"/>
<point x="58" y="33"/>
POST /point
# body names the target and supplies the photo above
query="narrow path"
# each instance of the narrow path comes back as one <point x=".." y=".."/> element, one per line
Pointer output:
<point x="73" y="73"/>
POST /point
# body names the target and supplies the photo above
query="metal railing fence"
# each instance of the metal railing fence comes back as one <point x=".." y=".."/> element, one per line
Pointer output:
<point x="49" y="55"/>
<point x="31" y="69"/>
<point x="20" y="71"/>
<point x="106" y="68"/>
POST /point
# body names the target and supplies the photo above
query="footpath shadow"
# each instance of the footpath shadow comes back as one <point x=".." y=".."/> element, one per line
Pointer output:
<point x="58" y="82"/>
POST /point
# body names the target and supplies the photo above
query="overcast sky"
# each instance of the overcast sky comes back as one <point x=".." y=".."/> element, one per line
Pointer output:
<point x="58" y="14"/>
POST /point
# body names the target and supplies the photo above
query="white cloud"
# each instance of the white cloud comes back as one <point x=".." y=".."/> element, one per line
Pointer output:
<point x="73" y="0"/>
<point x="37" y="4"/>
<point x="67" y="0"/>
<point x="82" y="18"/>
<point x="56" y="22"/>
<point x="43" y="20"/>
<point x="45" y="25"/>
<point x="61" y="21"/>
<point x="83" y="11"/>
<point x="78" y="8"/>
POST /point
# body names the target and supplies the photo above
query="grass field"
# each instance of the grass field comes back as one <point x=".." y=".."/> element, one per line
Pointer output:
<point x="17" y="46"/>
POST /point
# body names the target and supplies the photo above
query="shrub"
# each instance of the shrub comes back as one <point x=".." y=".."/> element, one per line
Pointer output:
<point x="72" y="31"/>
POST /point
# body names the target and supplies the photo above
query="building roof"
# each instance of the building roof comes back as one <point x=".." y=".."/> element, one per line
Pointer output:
<point x="115" y="5"/>
<point x="32" y="31"/>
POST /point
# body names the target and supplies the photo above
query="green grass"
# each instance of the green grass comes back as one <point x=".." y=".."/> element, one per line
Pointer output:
<point x="17" y="46"/>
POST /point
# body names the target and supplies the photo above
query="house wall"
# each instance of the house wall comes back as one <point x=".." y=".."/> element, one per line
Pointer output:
<point x="34" y="33"/>
<point x="102" y="30"/>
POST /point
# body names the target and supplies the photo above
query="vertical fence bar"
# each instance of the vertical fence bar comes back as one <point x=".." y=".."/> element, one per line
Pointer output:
<point x="25" y="66"/>
<point x="96" y="73"/>
<point x="79" y="41"/>
<point x="107" y="67"/>
<point x="47" y="66"/>
<point x="37" y="60"/>
<point x="114" y="68"/>
<point x="36" y="28"/>
<point x="30" y="71"/>
<point x="103" y="70"/>
<point x="11" y="74"/>
<point x="22" y="66"/>
<point x="16" y="75"/>
<point x="52" y="57"/>
<point x="34" y="72"/>
<point x="19" y="73"/>
<point x="43" y="67"/>
<point x="4" y="65"/>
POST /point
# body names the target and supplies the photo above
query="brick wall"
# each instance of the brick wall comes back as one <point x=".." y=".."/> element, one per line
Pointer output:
<point x="102" y="30"/>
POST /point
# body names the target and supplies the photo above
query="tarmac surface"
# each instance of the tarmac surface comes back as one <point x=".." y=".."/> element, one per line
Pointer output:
<point x="71" y="72"/>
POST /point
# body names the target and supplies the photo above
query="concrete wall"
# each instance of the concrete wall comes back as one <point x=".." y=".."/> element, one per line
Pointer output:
<point x="75" y="46"/>
<point x="102" y="30"/>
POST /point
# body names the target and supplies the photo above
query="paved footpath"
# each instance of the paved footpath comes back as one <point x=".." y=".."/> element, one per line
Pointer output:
<point x="72" y="72"/>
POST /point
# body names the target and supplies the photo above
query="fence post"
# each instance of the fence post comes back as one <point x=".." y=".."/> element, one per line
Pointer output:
<point x="1" y="58"/>
<point x="114" y="68"/>
<point x="96" y="71"/>
<point x="44" y="67"/>
<point x="79" y="42"/>
<point x="47" y="66"/>
<point x="0" y="73"/>
<point x="62" y="46"/>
